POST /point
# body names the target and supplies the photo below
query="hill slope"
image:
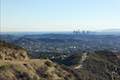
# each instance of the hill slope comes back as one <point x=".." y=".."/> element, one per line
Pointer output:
<point x="15" y="65"/>
<point x="101" y="65"/>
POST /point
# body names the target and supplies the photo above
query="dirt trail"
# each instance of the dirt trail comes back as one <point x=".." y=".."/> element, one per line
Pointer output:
<point x="84" y="57"/>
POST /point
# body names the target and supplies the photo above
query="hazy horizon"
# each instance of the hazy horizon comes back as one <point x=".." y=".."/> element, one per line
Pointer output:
<point x="59" y="15"/>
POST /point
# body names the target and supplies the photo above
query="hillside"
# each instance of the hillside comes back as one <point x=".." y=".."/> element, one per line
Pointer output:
<point x="12" y="52"/>
<point x="15" y="65"/>
<point x="101" y="65"/>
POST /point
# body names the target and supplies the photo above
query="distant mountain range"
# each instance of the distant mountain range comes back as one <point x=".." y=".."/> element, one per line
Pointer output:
<point x="102" y="32"/>
<point x="110" y="32"/>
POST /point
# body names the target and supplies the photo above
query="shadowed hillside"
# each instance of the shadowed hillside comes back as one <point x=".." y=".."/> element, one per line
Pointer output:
<point x="100" y="65"/>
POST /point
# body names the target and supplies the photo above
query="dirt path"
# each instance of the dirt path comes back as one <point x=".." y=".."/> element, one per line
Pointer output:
<point x="84" y="57"/>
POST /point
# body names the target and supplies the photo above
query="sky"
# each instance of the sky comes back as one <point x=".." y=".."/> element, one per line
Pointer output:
<point x="59" y="15"/>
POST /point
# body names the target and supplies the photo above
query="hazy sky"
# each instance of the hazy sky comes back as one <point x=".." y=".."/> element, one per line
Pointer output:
<point x="59" y="15"/>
